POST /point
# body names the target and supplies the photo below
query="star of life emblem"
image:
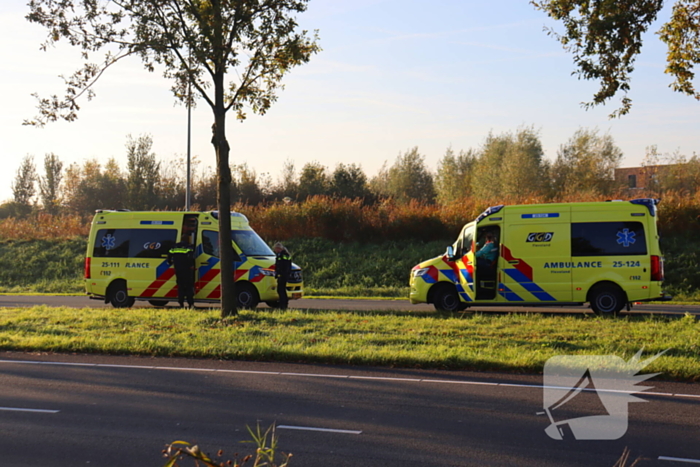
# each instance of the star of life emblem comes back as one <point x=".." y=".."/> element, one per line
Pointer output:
<point x="626" y="238"/>
<point x="108" y="242"/>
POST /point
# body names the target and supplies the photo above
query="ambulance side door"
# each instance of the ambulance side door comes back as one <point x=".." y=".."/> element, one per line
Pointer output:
<point x="208" y="265"/>
<point x="465" y="263"/>
<point x="536" y="258"/>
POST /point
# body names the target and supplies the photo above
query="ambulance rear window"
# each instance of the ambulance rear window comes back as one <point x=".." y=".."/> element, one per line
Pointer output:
<point x="134" y="243"/>
<point x="608" y="239"/>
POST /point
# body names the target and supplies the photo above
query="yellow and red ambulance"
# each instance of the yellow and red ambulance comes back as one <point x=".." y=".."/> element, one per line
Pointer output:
<point x="603" y="253"/>
<point x="126" y="259"/>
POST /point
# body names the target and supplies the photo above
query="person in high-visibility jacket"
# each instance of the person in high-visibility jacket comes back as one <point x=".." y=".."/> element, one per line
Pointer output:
<point x="182" y="257"/>
<point x="283" y="267"/>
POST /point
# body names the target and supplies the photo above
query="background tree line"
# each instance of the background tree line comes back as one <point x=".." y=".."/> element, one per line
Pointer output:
<point x="506" y="165"/>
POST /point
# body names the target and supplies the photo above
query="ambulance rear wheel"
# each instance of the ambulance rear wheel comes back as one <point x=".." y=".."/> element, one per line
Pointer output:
<point x="246" y="296"/>
<point x="119" y="296"/>
<point x="158" y="302"/>
<point x="607" y="300"/>
<point x="445" y="298"/>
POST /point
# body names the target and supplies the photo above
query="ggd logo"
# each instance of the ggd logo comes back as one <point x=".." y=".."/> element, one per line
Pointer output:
<point x="540" y="237"/>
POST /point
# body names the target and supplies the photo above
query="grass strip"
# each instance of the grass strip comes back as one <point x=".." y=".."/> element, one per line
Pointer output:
<point x="489" y="342"/>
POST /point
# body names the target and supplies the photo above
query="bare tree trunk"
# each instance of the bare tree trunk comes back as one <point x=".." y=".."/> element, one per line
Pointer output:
<point x="228" y="291"/>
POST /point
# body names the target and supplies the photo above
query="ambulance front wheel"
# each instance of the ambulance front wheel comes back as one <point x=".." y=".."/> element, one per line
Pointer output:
<point x="607" y="299"/>
<point x="246" y="296"/>
<point x="119" y="296"/>
<point x="445" y="298"/>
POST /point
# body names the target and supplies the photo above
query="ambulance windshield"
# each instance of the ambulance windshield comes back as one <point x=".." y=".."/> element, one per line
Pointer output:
<point x="250" y="243"/>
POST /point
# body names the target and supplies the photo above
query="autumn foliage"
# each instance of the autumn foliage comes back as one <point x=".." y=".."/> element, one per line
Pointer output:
<point x="344" y="220"/>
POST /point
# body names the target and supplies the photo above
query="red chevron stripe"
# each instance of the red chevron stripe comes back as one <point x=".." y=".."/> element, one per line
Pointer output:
<point x="158" y="283"/>
<point x="216" y="293"/>
<point x="205" y="279"/>
<point x="172" y="293"/>
<point x="522" y="265"/>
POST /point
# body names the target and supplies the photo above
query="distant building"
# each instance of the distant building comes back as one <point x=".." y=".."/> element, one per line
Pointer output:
<point x="640" y="178"/>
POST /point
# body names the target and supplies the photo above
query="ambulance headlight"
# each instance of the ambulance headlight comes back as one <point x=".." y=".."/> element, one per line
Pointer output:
<point x="267" y="272"/>
<point x="420" y="272"/>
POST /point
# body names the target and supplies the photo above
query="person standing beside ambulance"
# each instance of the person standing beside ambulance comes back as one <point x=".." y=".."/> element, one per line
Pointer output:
<point x="182" y="257"/>
<point x="283" y="267"/>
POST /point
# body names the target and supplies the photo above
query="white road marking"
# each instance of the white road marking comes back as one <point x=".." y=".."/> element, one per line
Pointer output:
<point x="17" y="409"/>
<point x="338" y="376"/>
<point x="679" y="459"/>
<point x="310" y="428"/>
<point x="447" y="381"/>
<point x="386" y="378"/>
<point x="687" y="395"/>
<point x="314" y="375"/>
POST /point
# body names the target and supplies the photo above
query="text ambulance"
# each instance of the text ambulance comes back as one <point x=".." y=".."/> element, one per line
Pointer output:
<point x="604" y="253"/>
<point x="127" y="251"/>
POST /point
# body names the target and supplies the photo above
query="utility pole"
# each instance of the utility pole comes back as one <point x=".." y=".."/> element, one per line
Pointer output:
<point x="188" y="190"/>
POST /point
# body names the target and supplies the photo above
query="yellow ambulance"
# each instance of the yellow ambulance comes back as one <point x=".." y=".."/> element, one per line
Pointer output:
<point x="603" y="253"/>
<point x="127" y="253"/>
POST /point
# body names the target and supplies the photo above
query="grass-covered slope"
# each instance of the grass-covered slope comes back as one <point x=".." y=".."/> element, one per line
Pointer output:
<point x="330" y="268"/>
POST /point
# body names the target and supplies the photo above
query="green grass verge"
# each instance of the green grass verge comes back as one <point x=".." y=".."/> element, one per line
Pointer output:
<point x="509" y="342"/>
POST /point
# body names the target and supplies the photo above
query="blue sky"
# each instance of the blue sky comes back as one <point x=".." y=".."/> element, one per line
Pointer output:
<point x="393" y="74"/>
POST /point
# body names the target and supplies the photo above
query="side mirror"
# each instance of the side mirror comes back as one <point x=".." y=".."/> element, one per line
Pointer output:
<point x="450" y="252"/>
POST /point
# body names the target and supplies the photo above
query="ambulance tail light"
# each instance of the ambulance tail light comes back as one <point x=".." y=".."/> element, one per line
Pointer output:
<point x="87" y="267"/>
<point x="657" y="268"/>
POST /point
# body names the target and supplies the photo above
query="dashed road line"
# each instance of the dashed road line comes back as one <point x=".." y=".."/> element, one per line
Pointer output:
<point x="18" y="409"/>
<point x="326" y="430"/>
<point x="679" y="459"/>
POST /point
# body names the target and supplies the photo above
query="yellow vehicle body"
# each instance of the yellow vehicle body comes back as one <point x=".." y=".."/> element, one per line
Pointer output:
<point x="126" y="259"/>
<point x="603" y="253"/>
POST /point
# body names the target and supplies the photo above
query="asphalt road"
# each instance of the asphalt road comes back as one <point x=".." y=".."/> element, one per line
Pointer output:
<point x="343" y="304"/>
<point x="119" y="411"/>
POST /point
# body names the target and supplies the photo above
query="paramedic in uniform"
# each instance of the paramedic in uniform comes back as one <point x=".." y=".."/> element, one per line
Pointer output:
<point x="182" y="257"/>
<point x="283" y="267"/>
<point x="486" y="256"/>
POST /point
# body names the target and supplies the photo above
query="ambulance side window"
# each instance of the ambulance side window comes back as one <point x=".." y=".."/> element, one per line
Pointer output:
<point x="608" y="239"/>
<point x="151" y="243"/>
<point x="133" y="243"/>
<point x="210" y="243"/>
<point x="111" y="243"/>
<point x="467" y="242"/>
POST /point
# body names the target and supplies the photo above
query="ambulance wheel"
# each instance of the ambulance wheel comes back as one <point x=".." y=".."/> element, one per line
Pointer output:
<point x="158" y="302"/>
<point x="607" y="300"/>
<point x="246" y="296"/>
<point x="119" y="296"/>
<point x="445" y="298"/>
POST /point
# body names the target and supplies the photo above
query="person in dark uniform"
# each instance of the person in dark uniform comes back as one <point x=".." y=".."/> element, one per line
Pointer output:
<point x="283" y="267"/>
<point x="182" y="257"/>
